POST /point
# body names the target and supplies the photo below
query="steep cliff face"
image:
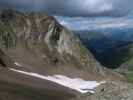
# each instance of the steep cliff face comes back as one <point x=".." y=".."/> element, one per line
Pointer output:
<point x="38" y="40"/>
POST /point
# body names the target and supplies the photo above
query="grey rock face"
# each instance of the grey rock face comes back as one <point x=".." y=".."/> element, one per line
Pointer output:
<point x="42" y="34"/>
<point x="39" y="44"/>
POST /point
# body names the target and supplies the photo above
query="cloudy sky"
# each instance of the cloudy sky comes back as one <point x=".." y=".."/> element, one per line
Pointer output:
<point x="79" y="14"/>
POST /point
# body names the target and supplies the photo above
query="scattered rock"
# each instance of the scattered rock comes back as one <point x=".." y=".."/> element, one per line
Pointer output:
<point x="112" y="91"/>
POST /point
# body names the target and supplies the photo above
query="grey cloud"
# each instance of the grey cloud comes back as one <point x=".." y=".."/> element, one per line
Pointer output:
<point x="72" y="8"/>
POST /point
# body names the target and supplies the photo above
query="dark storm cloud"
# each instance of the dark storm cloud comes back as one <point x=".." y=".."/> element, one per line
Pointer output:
<point x="82" y="8"/>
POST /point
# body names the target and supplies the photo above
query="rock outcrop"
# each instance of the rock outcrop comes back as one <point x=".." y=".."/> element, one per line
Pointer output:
<point x="39" y="35"/>
<point x="110" y="91"/>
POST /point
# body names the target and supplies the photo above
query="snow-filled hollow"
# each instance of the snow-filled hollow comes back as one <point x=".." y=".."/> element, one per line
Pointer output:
<point x="77" y="84"/>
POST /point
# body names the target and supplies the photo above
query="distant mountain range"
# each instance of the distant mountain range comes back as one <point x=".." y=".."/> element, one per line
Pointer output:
<point x="108" y="50"/>
<point x="118" y="34"/>
<point x="113" y="48"/>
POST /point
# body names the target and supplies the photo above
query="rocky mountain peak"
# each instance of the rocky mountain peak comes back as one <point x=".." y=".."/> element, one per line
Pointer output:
<point x="44" y="37"/>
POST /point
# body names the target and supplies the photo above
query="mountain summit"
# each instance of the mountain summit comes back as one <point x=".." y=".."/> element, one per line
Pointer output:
<point x="38" y="40"/>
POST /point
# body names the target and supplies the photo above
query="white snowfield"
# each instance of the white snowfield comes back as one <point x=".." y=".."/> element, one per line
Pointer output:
<point x="77" y="84"/>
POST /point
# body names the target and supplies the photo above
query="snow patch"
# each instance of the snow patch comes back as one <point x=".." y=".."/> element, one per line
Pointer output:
<point x="17" y="64"/>
<point x="77" y="84"/>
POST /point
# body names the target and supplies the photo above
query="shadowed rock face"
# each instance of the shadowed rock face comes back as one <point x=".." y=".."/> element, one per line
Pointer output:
<point x="127" y="64"/>
<point x="126" y="68"/>
<point x="127" y="58"/>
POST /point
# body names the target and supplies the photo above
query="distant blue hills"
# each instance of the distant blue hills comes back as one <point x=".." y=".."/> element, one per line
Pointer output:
<point x="110" y="46"/>
<point x="120" y="34"/>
